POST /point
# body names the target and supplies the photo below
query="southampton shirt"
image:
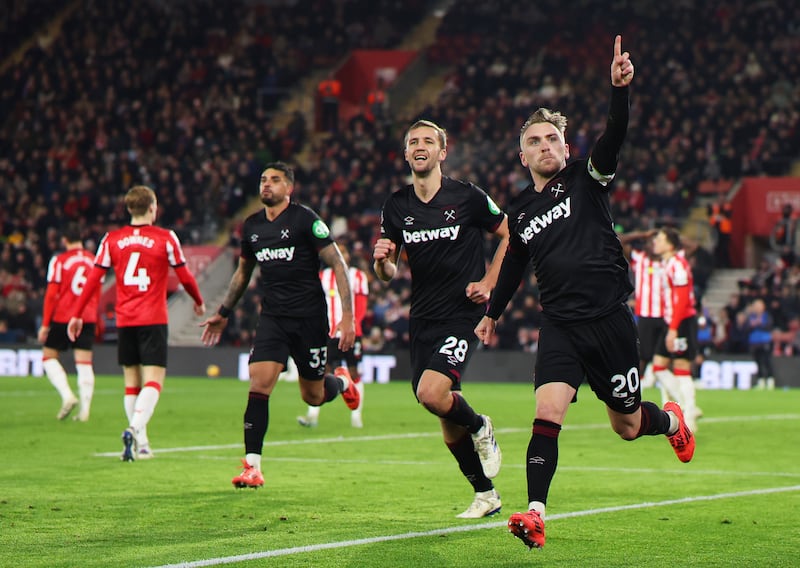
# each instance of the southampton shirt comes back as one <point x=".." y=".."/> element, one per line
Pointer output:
<point x="648" y="283"/>
<point x="287" y="252"/>
<point x="444" y="243"/>
<point x="141" y="256"/>
<point x="359" y="290"/>
<point x="68" y="272"/>
<point x="679" y="300"/>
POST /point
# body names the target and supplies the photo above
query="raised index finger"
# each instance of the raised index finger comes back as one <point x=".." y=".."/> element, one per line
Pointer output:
<point x="618" y="46"/>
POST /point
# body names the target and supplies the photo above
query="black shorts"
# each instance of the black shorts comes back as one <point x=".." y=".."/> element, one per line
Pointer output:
<point x="350" y="358"/>
<point x="605" y="352"/>
<point x="651" y="331"/>
<point x="142" y="345"/>
<point x="686" y="340"/>
<point x="445" y="347"/>
<point x="305" y="339"/>
<point x="58" y="339"/>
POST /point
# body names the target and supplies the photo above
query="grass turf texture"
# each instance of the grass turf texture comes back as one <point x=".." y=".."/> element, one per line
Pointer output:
<point x="67" y="500"/>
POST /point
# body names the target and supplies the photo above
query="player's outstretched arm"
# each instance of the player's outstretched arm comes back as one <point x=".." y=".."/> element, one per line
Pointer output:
<point x="214" y="326"/>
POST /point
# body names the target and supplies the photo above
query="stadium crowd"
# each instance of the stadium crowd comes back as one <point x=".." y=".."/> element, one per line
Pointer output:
<point x="186" y="104"/>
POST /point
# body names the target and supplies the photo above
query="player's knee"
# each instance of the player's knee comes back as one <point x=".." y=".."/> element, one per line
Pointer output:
<point x="627" y="432"/>
<point x="434" y="402"/>
<point x="313" y="398"/>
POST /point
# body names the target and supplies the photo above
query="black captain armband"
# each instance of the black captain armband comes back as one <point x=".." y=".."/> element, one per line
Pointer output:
<point x="224" y="312"/>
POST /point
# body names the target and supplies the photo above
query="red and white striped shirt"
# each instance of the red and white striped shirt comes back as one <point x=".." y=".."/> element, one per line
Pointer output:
<point x="359" y="289"/>
<point x="679" y="300"/>
<point x="66" y="277"/>
<point x="648" y="285"/>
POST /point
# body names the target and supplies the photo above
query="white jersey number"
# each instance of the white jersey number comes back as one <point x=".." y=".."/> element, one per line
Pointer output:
<point x="455" y="348"/>
<point x="78" y="281"/>
<point x="135" y="276"/>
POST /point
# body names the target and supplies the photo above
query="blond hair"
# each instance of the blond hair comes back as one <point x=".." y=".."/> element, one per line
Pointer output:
<point x="553" y="117"/>
<point x="139" y="199"/>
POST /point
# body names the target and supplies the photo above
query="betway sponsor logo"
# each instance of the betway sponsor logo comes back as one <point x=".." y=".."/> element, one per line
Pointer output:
<point x="285" y="253"/>
<point x="539" y="223"/>
<point x="425" y="235"/>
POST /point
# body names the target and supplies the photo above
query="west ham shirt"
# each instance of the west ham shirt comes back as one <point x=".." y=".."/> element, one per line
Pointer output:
<point x="567" y="232"/>
<point x="287" y="252"/>
<point x="444" y="243"/>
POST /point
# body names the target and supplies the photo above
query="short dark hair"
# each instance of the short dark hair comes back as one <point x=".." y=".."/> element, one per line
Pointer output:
<point x="72" y="233"/>
<point x="673" y="237"/>
<point x="287" y="170"/>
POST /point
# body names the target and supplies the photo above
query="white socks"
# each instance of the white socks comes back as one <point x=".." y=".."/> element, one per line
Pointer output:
<point x="58" y="378"/>
<point x="85" y="387"/>
<point x="253" y="460"/>
<point x="144" y="407"/>
<point x="537" y="506"/>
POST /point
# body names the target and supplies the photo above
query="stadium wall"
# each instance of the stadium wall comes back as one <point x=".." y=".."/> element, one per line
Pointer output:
<point x="718" y="372"/>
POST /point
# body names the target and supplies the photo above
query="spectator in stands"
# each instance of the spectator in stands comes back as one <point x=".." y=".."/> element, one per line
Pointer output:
<point x="760" y="327"/>
<point x="787" y="342"/>
<point x="783" y="237"/>
<point x="377" y="102"/>
<point x="720" y="219"/>
<point x="329" y="91"/>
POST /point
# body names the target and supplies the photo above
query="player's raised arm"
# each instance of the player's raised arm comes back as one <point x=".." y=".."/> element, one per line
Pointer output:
<point x="621" y="65"/>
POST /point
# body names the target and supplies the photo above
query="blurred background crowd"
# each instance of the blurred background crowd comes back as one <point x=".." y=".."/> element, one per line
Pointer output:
<point x="185" y="96"/>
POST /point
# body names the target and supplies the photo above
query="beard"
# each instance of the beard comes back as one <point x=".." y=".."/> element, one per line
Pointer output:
<point x="271" y="200"/>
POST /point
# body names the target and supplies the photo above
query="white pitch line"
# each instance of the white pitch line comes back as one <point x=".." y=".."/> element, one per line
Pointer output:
<point x="521" y="465"/>
<point x="469" y="528"/>
<point x="415" y="435"/>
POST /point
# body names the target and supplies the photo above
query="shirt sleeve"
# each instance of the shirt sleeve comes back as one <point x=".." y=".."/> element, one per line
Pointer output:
<point x="602" y="163"/>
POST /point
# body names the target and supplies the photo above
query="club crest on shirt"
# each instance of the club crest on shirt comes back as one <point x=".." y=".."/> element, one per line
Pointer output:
<point x="284" y="234"/>
<point x="556" y="190"/>
<point x="449" y="214"/>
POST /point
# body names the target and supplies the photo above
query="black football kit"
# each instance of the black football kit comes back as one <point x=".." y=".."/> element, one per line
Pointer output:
<point x="443" y="240"/>
<point x="293" y="318"/>
<point x="566" y="231"/>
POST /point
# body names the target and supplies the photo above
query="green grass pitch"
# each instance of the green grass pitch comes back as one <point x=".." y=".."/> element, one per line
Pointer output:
<point x="387" y="495"/>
